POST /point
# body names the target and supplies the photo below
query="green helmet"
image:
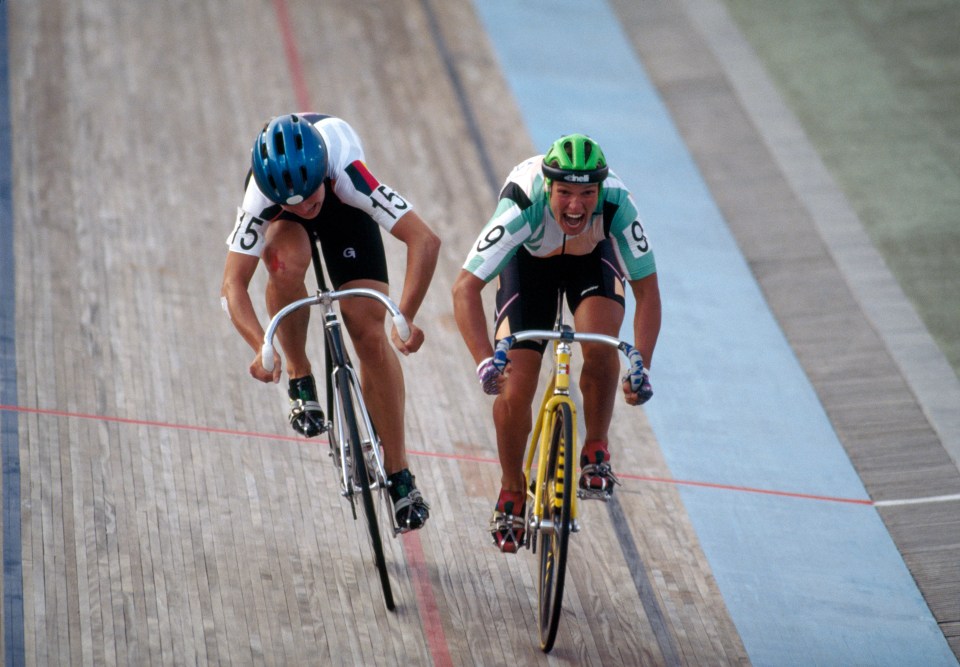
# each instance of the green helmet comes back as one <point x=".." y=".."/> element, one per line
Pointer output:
<point x="575" y="158"/>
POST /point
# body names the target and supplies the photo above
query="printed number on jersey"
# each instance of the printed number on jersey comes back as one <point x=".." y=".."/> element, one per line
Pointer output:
<point x="247" y="233"/>
<point x="389" y="201"/>
<point x="637" y="239"/>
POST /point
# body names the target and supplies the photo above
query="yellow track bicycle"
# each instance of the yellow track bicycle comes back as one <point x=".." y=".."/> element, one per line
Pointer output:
<point x="551" y="502"/>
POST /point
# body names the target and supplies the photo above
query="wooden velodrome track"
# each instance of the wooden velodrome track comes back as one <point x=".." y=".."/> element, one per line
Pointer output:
<point x="168" y="514"/>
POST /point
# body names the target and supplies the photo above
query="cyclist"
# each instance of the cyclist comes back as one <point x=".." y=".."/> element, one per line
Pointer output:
<point x="310" y="182"/>
<point x="564" y="222"/>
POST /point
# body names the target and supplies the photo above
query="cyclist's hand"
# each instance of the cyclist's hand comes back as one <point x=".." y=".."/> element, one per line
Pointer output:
<point x="491" y="378"/>
<point x="642" y="395"/>
<point x="410" y="345"/>
<point x="259" y="372"/>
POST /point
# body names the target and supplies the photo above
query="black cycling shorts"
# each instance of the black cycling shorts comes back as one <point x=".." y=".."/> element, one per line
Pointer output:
<point x="527" y="293"/>
<point x="349" y="239"/>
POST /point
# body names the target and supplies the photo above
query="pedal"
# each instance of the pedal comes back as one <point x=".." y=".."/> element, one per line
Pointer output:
<point x="599" y="472"/>
<point x="508" y="529"/>
<point x="307" y="418"/>
<point x="594" y="494"/>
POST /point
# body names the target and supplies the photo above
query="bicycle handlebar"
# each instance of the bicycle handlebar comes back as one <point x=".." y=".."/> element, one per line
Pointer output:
<point x="328" y="297"/>
<point x="633" y="355"/>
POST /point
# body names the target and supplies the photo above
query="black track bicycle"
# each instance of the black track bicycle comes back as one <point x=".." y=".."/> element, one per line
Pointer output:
<point x="355" y="447"/>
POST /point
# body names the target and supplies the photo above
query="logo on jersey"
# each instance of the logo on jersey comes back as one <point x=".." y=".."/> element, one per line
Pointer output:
<point x="361" y="178"/>
<point x="350" y="253"/>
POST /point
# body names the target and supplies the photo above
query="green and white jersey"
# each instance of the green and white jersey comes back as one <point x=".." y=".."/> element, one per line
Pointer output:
<point x="523" y="218"/>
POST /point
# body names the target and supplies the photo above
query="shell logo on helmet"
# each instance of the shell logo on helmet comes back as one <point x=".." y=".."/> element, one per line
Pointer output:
<point x="574" y="158"/>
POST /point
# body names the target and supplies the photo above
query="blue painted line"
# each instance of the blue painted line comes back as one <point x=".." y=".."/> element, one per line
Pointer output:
<point x="13" y="639"/>
<point x="805" y="583"/>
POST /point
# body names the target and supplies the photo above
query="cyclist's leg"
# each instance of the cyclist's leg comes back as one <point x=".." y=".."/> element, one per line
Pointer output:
<point x="512" y="419"/>
<point x="526" y="299"/>
<point x="600" y="312"/>
<point x="512" y="416"/>
<point x="381" y="378"/>
<point x="599" y="377"/>
<point x="353" y="251"/>
<point x="354" y="256"/>
<point x="381" y="375"/>
<point x="287" y="258"/>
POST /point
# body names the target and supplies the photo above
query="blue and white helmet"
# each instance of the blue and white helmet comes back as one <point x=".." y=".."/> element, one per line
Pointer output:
<point x="289" y="159"/>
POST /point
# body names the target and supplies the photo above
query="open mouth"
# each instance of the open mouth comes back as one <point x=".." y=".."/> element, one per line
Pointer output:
<point x="573" y="221"/>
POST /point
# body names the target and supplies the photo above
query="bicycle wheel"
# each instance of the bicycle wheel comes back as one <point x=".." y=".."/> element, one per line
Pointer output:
<point x="557" y="500"/>
<point x="362" y="480"/>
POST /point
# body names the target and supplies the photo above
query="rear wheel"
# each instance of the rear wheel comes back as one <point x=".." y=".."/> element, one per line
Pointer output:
<point x="557" y="495"/>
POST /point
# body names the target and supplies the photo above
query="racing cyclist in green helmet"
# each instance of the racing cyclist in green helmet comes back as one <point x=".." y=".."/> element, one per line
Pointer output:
<point x="564" y="223"/>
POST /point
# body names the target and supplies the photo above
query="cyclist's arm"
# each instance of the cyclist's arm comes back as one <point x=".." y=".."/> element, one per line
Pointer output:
<point x="237" y="273"/>
<point x="468" y="312"/>
<point x="423" y="248"/>
<point x="646" y="317"/>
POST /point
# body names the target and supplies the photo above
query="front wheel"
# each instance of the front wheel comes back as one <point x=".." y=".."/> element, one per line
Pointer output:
<point x="557" y="493"/>
<point x="362" y="480"/>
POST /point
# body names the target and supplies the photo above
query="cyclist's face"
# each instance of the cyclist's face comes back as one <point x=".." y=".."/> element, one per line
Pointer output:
<point x="572" y="205"/>
<point x="309" y="208"/>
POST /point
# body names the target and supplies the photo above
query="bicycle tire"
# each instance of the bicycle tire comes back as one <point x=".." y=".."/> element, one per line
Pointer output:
<point x="557" y="493"/>
<point x="361" y="479"/>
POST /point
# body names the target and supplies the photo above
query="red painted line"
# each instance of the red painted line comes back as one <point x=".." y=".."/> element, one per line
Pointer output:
<point x="145" y="422"/>
<point x="294" y="63"/>
<point x="438" y="455"/>
<point x="748" y="489"/>
<point x="426" y="601"/>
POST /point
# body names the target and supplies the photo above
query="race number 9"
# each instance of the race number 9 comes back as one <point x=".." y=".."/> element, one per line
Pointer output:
<point x="490" y="239"/>
<point x="639" y="238"/>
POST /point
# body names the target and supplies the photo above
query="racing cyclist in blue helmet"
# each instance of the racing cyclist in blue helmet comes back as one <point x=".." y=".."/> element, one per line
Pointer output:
<point x="310" y="184"/>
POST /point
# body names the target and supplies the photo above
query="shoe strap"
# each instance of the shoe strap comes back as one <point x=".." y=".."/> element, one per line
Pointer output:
<point x="517" y="498"/>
